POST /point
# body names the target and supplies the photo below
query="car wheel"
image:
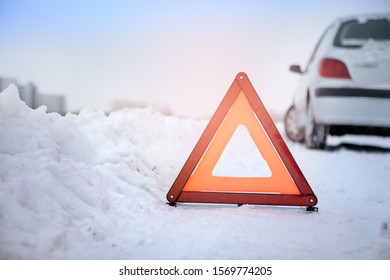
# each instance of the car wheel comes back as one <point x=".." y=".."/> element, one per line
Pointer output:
<point x="291" y="128"/>
<point x="315" y="134"/>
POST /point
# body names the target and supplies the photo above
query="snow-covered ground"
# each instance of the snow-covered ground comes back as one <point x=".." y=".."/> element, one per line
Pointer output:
<point x="91" y="186"/>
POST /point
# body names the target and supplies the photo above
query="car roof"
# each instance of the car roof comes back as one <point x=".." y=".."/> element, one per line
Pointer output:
<point x="363" y="17"/>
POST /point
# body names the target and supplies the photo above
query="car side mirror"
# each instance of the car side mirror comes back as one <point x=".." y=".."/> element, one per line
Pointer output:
<point x="296" y="69"/>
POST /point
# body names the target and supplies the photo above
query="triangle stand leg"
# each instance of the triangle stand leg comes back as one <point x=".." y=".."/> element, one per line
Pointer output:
<point x="173" y="204"/>
<point x="311" y="209"/>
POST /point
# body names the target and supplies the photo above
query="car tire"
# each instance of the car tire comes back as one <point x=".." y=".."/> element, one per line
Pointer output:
<point x="315" y="134"/>
<point x="291" y="128"/>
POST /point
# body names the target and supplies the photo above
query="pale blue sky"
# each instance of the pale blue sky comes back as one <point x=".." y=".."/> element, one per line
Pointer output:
<point x="181" y="54"/>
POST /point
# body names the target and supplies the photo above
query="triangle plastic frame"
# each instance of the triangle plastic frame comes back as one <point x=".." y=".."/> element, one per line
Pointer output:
<point x="306" y="196"/>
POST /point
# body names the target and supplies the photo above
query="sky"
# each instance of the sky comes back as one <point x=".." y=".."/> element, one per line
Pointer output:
<point x="180" y="55"/>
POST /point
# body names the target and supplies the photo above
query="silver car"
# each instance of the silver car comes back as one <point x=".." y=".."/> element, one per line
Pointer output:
<point x="345" y="87"/>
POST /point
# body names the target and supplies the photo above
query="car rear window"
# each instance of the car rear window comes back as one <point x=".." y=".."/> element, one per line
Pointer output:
<point x="354" y="34"/>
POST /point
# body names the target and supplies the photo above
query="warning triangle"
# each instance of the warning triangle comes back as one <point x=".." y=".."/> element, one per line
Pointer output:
<point x="277" y="180"/>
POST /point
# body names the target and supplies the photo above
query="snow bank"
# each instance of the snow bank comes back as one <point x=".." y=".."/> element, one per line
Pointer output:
<point x="68" y="181"/>
<point x="91" y="186"/>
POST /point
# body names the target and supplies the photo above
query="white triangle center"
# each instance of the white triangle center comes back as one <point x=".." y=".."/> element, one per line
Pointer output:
<point x="241" y="157"/>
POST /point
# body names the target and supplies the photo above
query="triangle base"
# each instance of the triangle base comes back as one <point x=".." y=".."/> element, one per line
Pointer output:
<point x="248" y="198"/>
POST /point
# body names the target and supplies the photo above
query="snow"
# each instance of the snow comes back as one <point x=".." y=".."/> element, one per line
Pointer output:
<point x="91" y="186"/>
<point x="372" y="52"/>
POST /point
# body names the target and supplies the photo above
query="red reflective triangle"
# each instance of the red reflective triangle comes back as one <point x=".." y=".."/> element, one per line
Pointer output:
<point x="285" y="186"/>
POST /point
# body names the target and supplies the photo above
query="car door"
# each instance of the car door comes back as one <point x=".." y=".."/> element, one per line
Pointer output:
<point x="302" y="93"/>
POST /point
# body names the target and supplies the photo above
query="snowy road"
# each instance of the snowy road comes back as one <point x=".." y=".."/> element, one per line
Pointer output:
<point x="92" y="186"/>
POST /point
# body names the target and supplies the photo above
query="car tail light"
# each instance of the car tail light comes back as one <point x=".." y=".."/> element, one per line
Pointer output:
<point x="333" y="68"/>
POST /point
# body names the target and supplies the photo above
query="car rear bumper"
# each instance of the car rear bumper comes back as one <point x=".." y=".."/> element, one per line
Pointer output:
<point x="352" y="92"/>
<point x="352" y="129"/>
<point x="352" y="106"/>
